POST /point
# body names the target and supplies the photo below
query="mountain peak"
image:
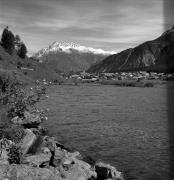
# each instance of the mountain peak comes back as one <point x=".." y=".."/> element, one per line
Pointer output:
<point x="69" y="47"/>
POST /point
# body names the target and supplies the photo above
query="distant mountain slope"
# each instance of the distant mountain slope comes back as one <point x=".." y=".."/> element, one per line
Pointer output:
<point x="155" y="55"/>
<point x="64" y="57"/>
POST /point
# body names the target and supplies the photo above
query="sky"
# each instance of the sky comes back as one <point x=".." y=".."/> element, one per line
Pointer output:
<point x="108" y="24"/>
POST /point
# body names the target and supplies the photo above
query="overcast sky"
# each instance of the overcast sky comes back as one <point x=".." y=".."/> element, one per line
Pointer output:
<point x="108" y="24"/>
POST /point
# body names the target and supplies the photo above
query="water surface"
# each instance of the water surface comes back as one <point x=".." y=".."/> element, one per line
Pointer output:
<point x="124" y="126"/>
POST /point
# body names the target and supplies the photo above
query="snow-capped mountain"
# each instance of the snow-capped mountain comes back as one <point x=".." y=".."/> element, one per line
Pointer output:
<point x="62" y="56"/>
<point x="69" y="48"/>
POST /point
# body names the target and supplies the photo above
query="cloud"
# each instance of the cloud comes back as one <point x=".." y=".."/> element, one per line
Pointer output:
<point x="113" y="24"/>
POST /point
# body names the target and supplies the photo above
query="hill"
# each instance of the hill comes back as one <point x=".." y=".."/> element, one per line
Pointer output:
<point x="29" y="71"/>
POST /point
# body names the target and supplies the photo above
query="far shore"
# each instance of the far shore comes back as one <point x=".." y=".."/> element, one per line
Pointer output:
<point x="123" y="83"/>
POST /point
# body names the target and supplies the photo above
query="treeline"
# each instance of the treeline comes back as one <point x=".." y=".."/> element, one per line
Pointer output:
<point x="12" y="43"/>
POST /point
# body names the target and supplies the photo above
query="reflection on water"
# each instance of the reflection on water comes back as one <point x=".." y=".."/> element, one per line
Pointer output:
<point x="124" y="126"/>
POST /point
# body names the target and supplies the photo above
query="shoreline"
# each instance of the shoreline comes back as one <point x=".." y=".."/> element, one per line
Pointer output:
<point x="36" y="152"/>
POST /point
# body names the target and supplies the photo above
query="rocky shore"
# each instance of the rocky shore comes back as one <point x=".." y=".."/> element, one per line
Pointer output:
<point x="27" y="153"/>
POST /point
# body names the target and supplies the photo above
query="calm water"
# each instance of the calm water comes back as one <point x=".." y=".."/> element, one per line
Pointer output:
<point x="124" y="126"/>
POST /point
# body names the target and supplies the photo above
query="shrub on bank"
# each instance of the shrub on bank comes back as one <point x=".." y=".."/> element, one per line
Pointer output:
<point x="14" y="133"/>
<point x="15" y="102"/>
<point x="14" y="155"/>
<point x="18" y="100"/>
<point x="4" y="121"/>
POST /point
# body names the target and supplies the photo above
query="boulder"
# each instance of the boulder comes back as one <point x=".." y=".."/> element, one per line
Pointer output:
<point x="52" y="143"/>
<point x="69" y="164"/>
<point x="4" y="147"/>
<point x="31" y="120"/>
<point x="45" y="150"/>
<point x="24" y="172"/>
<point x="28" y="121"/>
<point x="75" y="169"/>
<point x="17" y="120"/>
<point x="74" y="155"/>
<point x="27" y="142"/>
<point x="37" y="160"/>
<point x="106" y="171"/>
<point x="60" y="154"/>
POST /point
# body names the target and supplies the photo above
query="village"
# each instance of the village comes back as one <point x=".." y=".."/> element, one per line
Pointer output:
<point x="138" y="76"/>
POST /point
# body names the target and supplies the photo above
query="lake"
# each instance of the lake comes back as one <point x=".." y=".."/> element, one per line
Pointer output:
<point x="124" y="126"/>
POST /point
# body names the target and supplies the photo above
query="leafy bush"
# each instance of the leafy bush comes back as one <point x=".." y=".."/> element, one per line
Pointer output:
<point x="14" y="155"/>
<point x="4" y="121"/>
<point x="4" y="82"/>
<point x="16" y="102"/>
<point x="19" y="100"/>
<point x="14" y="133"/>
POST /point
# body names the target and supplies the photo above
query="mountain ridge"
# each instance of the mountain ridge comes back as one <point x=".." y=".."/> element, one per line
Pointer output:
<point x="147" y="56"/>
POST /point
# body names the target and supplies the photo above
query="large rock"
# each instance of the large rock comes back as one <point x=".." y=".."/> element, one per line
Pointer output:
<point x="106" y="171"/>
<point x="4" y="147"/>
<point x="28" y="121"/>
<point x="37" y="160"/>
<point x="24" y="172"/>
<point x="68" y="163"/>
<point x="71" y="167"/>
<point x="27" y="142"/>
<point x="31" y="120"/>
<point x="49" y="142"/>
<point x="17" y="120"/>
<point x="74" y="169"/>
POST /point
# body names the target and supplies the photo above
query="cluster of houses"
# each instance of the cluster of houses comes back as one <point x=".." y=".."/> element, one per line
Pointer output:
<point x="139" y="75"/>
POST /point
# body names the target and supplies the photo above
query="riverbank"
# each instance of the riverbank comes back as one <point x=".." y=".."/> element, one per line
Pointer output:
<point x="27" y="152"/>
